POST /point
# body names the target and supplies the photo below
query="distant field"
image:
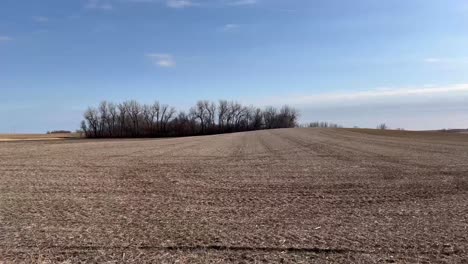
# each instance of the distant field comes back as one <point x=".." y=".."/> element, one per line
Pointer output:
<point x="33" y="137"/>
<point x="425" y="135"/>
<point x="277" y="196"/>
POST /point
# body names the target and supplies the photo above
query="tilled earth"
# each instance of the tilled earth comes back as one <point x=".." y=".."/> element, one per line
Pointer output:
<point x="278" y="196"/>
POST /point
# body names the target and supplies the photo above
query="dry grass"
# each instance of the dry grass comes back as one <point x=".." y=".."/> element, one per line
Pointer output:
<point x="36" y="137"/>
<point x="293" y="195"/>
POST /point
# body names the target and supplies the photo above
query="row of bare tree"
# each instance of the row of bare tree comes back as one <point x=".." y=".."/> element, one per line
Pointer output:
<point x="132" y="119"/>
<point x="319" y="124"/>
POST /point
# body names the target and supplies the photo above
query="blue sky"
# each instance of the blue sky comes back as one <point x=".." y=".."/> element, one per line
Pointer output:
<point x="360" y="62"/>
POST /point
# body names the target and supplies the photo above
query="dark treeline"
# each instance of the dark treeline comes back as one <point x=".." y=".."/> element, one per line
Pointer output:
<point x="132" y="119"/>
<point x="319" y="124"/>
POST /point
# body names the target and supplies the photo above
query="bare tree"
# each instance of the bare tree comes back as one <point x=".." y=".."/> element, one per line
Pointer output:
<point x="240" y="117"/>
<point x="166" y="115"/>
<point x="134" y="111"/>
<point x="112" y="118"/>
<point x="199" y="112"/>
<point x="211" y="113"/>
<point x="147" y="119"/>
<point x="92" y="117"/>
<point x="123" y="109"/>
<point x="234" y="113"/>
<point x="131" y="119"/>
<point x="288" y="117"/>
<point x="84" y="128"/>
<point x="382" y="126"/>
<point x="257" y="119"/>
<point x="223" y="108"/>
<point x="269" y="116"/>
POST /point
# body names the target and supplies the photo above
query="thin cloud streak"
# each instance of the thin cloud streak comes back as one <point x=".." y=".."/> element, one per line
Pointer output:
<point x="435" y="60"/>
<point x="230" y="27"/>
<point x="98" y="4"/>
<point x="379" y="94"/>
<point x="162" y="60"/>
<point x="179" y="3"/>
<point x="40" y="19"/>
<point x="242" y="2"/>
<point x="5" y="38"/>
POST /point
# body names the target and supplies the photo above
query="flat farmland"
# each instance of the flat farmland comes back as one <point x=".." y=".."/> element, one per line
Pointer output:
<point x="277" y="196"/>
<point x="36" y="137"/>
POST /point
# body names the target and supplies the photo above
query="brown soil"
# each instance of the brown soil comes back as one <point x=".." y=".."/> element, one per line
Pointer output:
<point x="279" y="196"/>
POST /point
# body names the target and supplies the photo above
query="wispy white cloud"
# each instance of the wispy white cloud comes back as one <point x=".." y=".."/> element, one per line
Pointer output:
<point x="41" y="31"/>
<point x="179" y="3"/>
<point x="242" y="2"/>
<point x="5" y="38"/>
<point x="432" y="60"/>
<point x="141" y="1"/>
<point x="375" y="95"/>
<point x="98" y="4"/>
<point x="73" y="17"/>
<point x="162" y="60"/>
<point x="40" y="19"/>
<point x="101" y="28"/>
<point x="230" y="27"/>
<point x="436" y="60"/>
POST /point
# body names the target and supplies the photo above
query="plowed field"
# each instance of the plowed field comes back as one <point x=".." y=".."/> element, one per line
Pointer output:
<point x="278" y="196"/>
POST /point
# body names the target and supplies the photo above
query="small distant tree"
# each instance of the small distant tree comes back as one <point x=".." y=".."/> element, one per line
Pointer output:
<point x="269" y="117"/>
<point x="382" y="126"/>
<point x="223" y="108"/>
<point x="200" y="113"/>
<point x="80" y="133"/>
<point x="318" y="124"/>
<point x="257" y="119"/>
<point x="166" y="115"/>
<point x="92" y="119"/>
